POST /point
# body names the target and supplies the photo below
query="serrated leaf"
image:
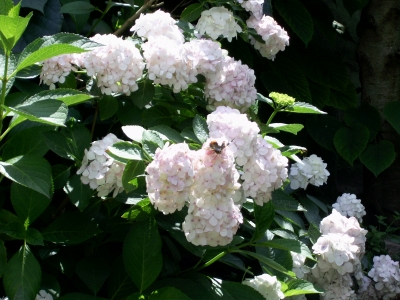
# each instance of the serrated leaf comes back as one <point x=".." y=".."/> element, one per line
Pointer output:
<point x="192" y="12"/>
<point x="28" y="141"/>
<point x="93" y="272"/>
<point x="108" y="106"/>
<point x="34" y="237"/>
<point x="378" y="157"/>
<point x="188" y="134"/>
<point x="59" y="144"/>
<point x="144" y="94"/>
<point x="77" y="8"/>
<point x="79" y="193"/>
<point x="27" y="203"/>
<point x="351" y="142"/>
<point x="320" y="204"/>
<point x="392" y="113"/>
<point x="288" y="245"/>
<point x="120" y="285"/>
<point x="11" y="29"/>
<point x="80" y="137"/>
<point x="30" y="171"/>
<point x="60" y="175"/>
<point x="151" y="141"/>
<point x="283" y="201"/>
<point x="6" y="6"/>
<point x="141" y="211"/>
<point x="132" y="169"/>
<point x="63" y="231"/>
<point x="200" y="128"/>
<point x="297" y="17"/>
<point x="68" y="96"/>
<point x="290" y="150"/>
<point x="264" y="216"/>
<point x="292" y="217"/>
<point x="126" y="151"/>
<point x="142" y="253"/>
<point x="303" y="108"/>
<point x="313" y="233"/>
<point x="168" y="133"/>
<point x="292" y="128"/>
<point x="323" y="129"/>
<point x="22" y="275"/>
<point x="265" y="99"/>
<point x="15" y="230"/>
<point x="156" y="115"/>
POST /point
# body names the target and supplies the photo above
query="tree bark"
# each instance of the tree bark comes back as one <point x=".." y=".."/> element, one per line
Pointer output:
<point x="379" y="61"/>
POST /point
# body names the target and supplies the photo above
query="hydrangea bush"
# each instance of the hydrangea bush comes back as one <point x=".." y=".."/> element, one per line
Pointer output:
<point x="138" y="167"/>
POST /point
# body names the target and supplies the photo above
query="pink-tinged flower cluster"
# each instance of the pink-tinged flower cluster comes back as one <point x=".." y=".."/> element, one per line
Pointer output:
<point x="116" y="66"/>
<point x="349" y="206"/>
<point x="266" y="285"/>
<point x="218" y="21"/>
<point x="311" y="170"/>
<point x="157" y="24"/>
<point x="57" y="68"/>
<point x="299" y="268"/>
<point x="264" y="172"/>
<point x="386" y="276"/>
<point x="170" y="177"/>
<point x="274" y="36"/>
<point x="100" y="170"/>
<point x="255" y="7"/>
<point x="232" y="85"/>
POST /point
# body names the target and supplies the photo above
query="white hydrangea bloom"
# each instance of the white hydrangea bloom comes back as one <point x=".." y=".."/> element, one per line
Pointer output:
<point x="266" y="285"/>
<point x="255" y="7"/>
<point x="117" y="65"/>
<point x="275" y="37"/>
<point x="218" y="21"/>
<point x="232" y="85"/>
<point x="386" y="275"/>
<point x="229" y="123"/>
<point x="349" y="206"/>
<point x="43" y="295"/>
<point x="166" y="65"/>
<point x="170" y="176"/>
<point x="55" y="69"/>
<point x="100" y="170"/>
<point x="264" y="172"/>
<point x="204" y="56"/>
<point x="156" y="25"/>
<point x="311" y="170"/>
<point x="298" y="265"/>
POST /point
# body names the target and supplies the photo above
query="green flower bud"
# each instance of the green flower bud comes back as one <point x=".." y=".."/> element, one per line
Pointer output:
<point x="282" y="99"/>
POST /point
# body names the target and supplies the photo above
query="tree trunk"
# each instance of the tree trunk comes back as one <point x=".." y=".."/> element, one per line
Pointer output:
<point x="379" y="61"/>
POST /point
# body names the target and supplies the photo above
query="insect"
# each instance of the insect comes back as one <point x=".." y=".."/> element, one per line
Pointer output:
<point x="217" y="148"/>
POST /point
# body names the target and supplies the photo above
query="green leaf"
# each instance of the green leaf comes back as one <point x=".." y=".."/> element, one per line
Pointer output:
<point x="200" y="128"/>
<point x="80" y="137"/>
<point x="288" y="245"/>
<point x="3" y="258"/>
<point x="132" y="169"/>
<point x="120" y="286"/>
<point x="27" y="203"/>
<point x="140" y="211"/>
<point x="292" y="217"/>
<point x="283" y="201"/>
<point x="22" y="275"/>
<point x="60" y="175"/>
<point x="303" y="108"/>
<point x="392" y="113"/>
<point x="319" y="93"/>
<point x="320" y="204"/>
<point x="79" y="296"/>
<point x="151" y="141"/>
<point x="11" y="29"/>
<point x="313" y="233"/>
<point x="290" y="150"/>
<point x="367" y="115"/>
<point x="77" y="8"/>
<point x="264" y="216"/>
<point x="192" y="12"/>
<point x="142" y="253"/>
<point x="59" y="144"/>
<point x="79" y="193"/>
<point x="30" y="171"/>
<point x="351" y="142"/>
<point x="299" y="287"/>
<point x="47" y="111"/>
<point x="378" y="157"/>
<point x="5" y="8"/>
<point x="34" y="237"/>
<point x="93" y="272"/>
<point x="292" y="128"/>
<point x="134" y="132"/>
<point x="63" y="231"/>
<point x="269" y="262"/>
<point x="168" y="133"/>
<point x="144" y="94"/>
<point x="108" y="106"/>
<point x="235" y="291"/>
<point x="345" y="99"/>
<point x="323" y="129"/>
<point x="156" y="115"/>
<point x="353" y="5"/>
<point x="28" y="141"/>
<point x="15" y="230"/>
<point x="168" y="293"/>
<point x="68" y="96"/>
<point x="297" y="17"/>
<point x="125" y="151"/>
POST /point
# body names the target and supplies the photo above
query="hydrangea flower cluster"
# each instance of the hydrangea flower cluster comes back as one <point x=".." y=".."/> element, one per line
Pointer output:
<point x="310" y="170"/>
<point x="274" y="36"/>
<point x="157" y="24"/>
<point x="57" y="68"/>
<point x="386" y="275"/>
<point x="299" y="268"/>
<point x="255" y="7"/>
<point x="232" y="85"/>
<point x="170" y="177"/>
<point x="218" y="21"/>
<point x="349" y="206"/>
<point x="117" y="65"/>
<point x="100" y="170"/>
<point x="43" y="295"/>
<point x="266" y="285"/>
